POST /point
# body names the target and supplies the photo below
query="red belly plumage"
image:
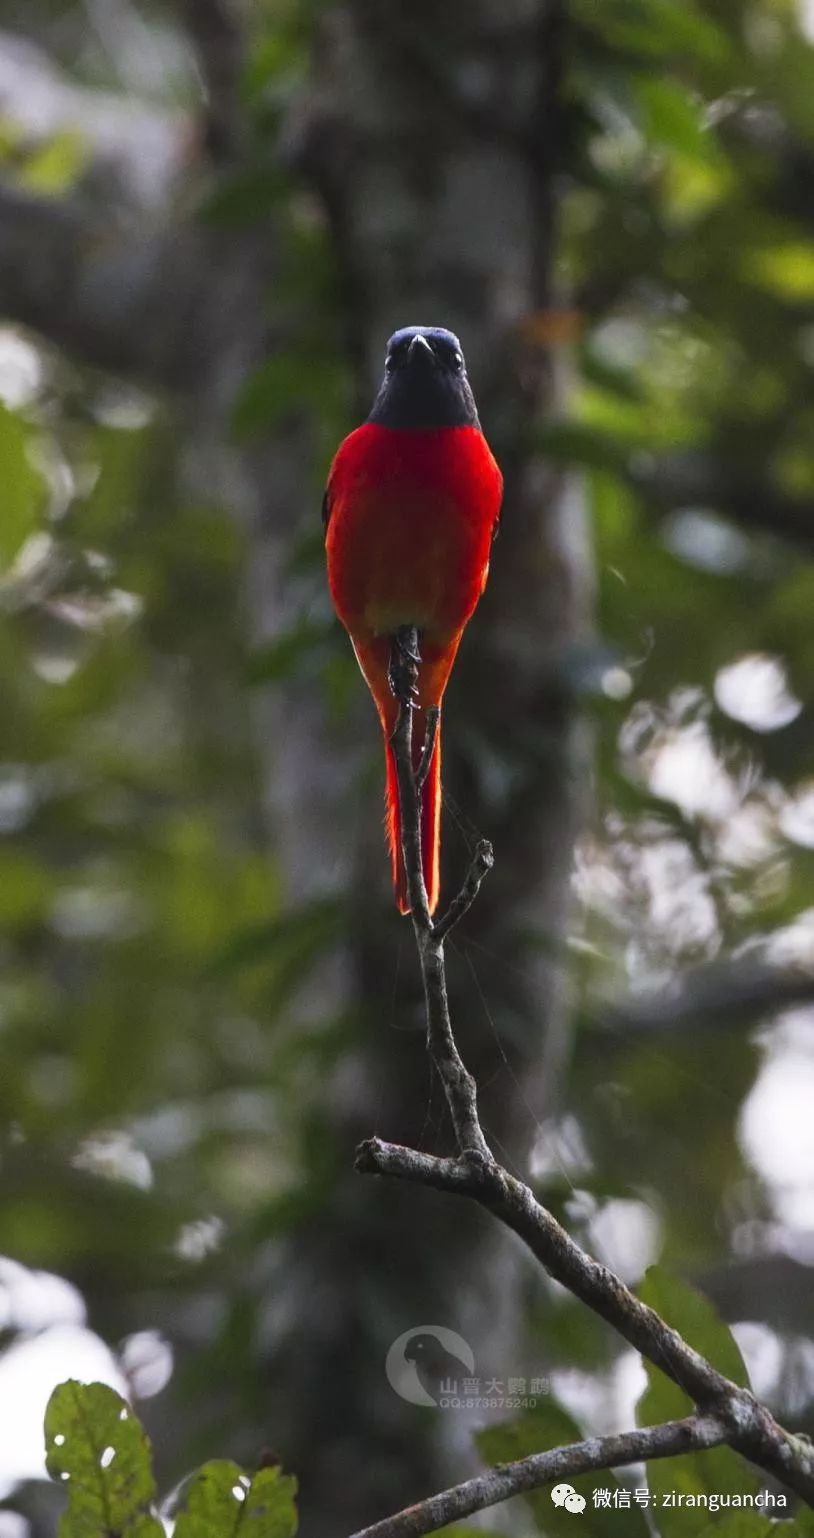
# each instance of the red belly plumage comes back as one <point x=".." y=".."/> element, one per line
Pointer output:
<point x="412" y="514"/>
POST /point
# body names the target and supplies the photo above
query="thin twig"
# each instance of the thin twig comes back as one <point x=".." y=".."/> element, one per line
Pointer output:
<point x="666" y="1441"/>
<point x="482" y="862"/>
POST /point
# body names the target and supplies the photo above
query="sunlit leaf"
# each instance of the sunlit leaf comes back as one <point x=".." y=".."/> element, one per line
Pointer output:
<point x="96" y="1447"/>
<point x="786" y="270"/>
<point x="222" y="1502"/>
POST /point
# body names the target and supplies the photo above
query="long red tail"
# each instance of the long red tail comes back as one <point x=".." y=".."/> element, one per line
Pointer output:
<point x="430" y="818"/>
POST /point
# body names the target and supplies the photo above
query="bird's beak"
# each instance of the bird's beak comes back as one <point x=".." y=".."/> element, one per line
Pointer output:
<point x="418" y="348"/>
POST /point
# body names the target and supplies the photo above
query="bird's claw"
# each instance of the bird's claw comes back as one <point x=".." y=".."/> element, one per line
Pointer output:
<point x="402" y="674"/>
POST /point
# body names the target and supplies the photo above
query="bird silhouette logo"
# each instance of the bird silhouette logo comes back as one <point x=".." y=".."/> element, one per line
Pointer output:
<point x="425" y="1360"/>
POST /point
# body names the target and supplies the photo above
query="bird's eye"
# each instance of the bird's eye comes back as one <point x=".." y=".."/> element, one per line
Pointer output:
<point x="457" y="361"/>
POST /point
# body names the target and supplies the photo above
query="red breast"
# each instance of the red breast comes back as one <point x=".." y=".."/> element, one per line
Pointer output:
<point x="412" y="517"/>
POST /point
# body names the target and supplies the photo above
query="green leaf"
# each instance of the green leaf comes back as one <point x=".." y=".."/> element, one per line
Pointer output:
<point x="457" y="1530"/>
<point x="288" y="382"/>
<point x="22" y="491"/>
<point x="719" y="1471"/>
<point x="245" y="198"/>
<point x="279" y="54"/>
<point x="671" y="117"/>
<point x="803" y="1520"/>
<point x="655" y="28"/>
<point x="286" y="943"/>
<point x="96" y="1447"/>
<point x="56" y="165"/>
<point x="743" y="1524"/>
<point x="539" y="1430"/>
<point x="26" y="888"/>
<point x="292" y="653"/>
<point x="579" y="444"/>
<point x="785" y="270"/>
<point x="221" y="1501"/>
<point x="695" y="1318"/>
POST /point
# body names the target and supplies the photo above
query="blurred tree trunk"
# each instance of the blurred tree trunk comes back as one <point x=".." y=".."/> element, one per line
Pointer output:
<point x="432" y="135"/>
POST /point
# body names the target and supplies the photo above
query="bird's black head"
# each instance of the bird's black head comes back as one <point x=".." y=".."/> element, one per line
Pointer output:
<point x="425" y="383"/>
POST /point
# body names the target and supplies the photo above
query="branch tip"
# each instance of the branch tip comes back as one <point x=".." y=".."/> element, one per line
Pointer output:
<point x="482" y="861"/>
<point x="365" y="1161"/>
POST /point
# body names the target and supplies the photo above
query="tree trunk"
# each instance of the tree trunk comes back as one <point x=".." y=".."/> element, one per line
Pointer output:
<point x="431" y="135"/>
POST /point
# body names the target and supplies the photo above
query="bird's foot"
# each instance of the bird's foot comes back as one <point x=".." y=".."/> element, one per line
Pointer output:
<point x="402" y="674"/>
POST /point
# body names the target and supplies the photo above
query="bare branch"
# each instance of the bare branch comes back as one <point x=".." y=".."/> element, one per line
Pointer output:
<point x="752" y="1430"/>
<point x="509" y="1479"/>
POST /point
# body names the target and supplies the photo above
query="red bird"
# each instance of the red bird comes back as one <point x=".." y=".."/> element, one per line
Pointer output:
<point x="410" y="512"/>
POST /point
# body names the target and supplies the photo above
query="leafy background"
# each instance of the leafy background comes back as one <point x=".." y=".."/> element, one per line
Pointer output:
<point x="204" y="997"/>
